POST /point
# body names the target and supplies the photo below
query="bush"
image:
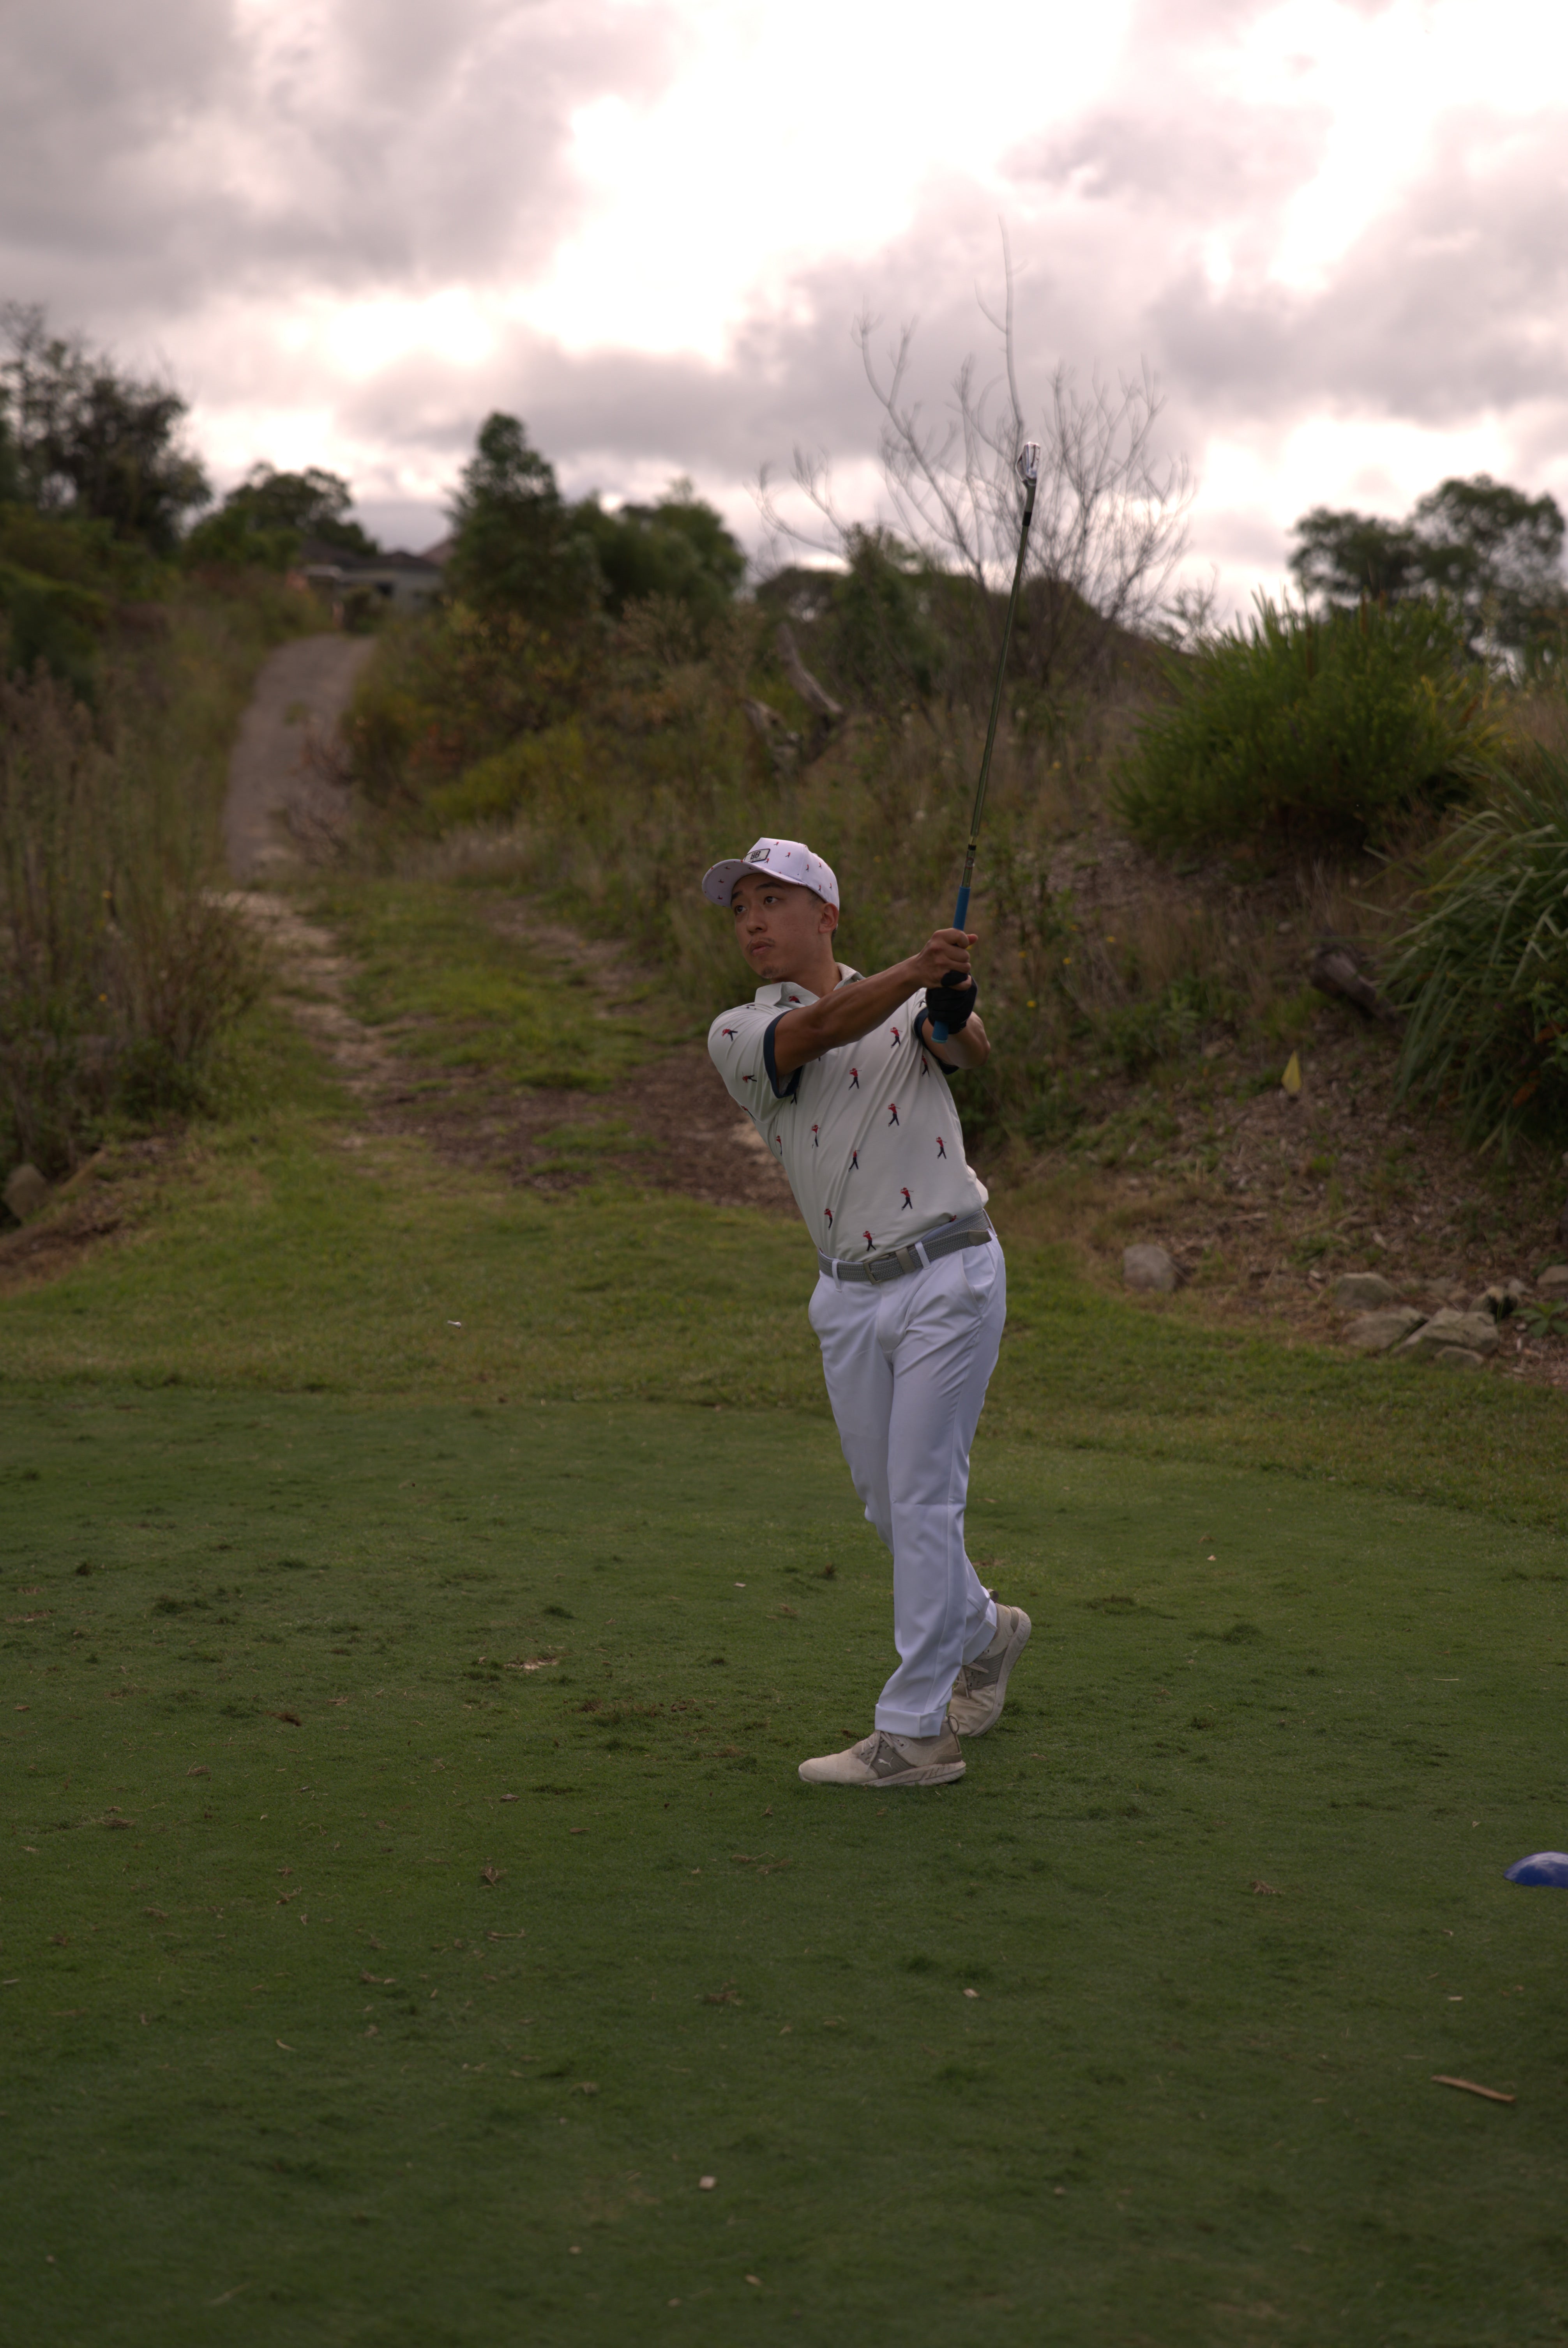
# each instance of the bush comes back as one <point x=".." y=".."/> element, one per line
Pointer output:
<point x="118" y="970"/>
<point x="515" y="777"/>
<point x="1310" y="731"/>
<point x="1483" y="971"/>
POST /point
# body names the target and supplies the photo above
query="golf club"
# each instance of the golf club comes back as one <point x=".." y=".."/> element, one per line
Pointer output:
<point x="1029" y="473"/>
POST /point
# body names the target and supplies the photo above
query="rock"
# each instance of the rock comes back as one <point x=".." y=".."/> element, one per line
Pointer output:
<point x="1364" y="1289"/>
<point x="25" y="1192"/>
<point x="1443" y="1292"/>
<point x="1475" y="1332"/>
<point x="1376" y="1332"/>
<point x="1146" y="1266"/>
<point x="1553" y="1283"/>
<point x="1457" y="1357"/>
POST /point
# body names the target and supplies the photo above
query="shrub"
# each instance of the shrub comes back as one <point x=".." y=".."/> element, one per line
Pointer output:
<point x="117" y="969"/>
<point x="1312" y="730"/>
<point x="513" y="777"/>
<point x="1483" y="970"/>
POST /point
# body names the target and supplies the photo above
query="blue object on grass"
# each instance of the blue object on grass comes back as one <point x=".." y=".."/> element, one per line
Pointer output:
<point x="1543" y="1867"/>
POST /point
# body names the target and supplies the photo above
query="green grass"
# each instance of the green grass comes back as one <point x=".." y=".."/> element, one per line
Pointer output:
<point x="299" y="1252"/>
<point x="469" y="993"/>
<point x="285" y="2065"/>
<point x="318" y="2036"/>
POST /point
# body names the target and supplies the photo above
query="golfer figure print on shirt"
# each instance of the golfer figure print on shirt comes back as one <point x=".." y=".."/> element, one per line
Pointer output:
<point x="855" y="1161"/>
<point x="867" y="1238"/>
<point x="908" y="1202"/>
<point x="815" y="1134"/>
<point x="728" y="1031"/>
<point x="855" y="1080"/>
<point x="894" y="1047"/>
<point x="941" y="1147"/>
<point x="893" y="1113"/>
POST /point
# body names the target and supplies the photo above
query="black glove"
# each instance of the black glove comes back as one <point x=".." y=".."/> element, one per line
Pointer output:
<point x="949" y="1004"/>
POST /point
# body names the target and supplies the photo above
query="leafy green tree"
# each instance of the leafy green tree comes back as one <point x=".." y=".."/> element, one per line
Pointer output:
<point x="1342" y="555"/>
<point x="678" y="548"/>
<point x="518" y="546"/>
<point x="271" y="515"/>
<point x="1496" y="553"/>
<point x="887" y="648"/>
<point x="90" y="440"/>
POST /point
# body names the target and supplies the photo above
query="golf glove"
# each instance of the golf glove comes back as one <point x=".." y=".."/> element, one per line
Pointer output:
<point x="949" y="1006"/>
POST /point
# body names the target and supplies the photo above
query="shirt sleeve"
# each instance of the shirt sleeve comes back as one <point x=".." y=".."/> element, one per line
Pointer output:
<point x="737" y="1042"/>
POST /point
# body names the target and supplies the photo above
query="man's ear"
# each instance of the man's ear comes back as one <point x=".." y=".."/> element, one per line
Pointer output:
<point x="825" y="929"/>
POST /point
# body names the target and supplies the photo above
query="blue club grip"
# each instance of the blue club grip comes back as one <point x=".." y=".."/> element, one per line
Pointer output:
<point x="960" y="914"/>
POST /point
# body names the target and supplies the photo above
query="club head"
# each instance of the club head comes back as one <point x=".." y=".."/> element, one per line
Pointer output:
<point x="1028" y="462"/>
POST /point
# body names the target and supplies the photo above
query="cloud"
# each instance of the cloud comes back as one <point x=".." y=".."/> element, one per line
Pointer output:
<point x="290" y="146"/>
<point x="1332" y="227"/>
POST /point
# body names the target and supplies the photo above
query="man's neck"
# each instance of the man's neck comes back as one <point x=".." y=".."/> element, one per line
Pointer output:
<point x="819" y="980"/>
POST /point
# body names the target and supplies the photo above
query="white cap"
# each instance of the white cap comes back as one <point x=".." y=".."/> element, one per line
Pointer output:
<point x="783" y="859"/>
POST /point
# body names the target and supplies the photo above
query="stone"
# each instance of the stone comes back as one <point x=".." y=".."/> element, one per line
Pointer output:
<point x="1554" y="1281"/>
<point x="1146" y="1266"/>
<point x="1378" y="1333"/>
<point x="1457" y="1357"/>
<point x="25" y="1192"/>
<point x="1475" y="1332"/>
<point x="1443" y="1292"/>
<point x="1363" y="1290"/>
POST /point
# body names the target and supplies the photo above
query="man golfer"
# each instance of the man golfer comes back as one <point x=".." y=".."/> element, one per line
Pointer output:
<point x="842" y="1080"/>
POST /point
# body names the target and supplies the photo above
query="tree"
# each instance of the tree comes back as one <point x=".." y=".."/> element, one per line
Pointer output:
<point x="90" y="440"/>
<point x="518" y="546"/>
<point x="271" y="515"/>
<point x="678" y="548"/>
<point x="1495" y="551"/>
<point x="1344" y="555"/>
<point x="1109" y="511"/>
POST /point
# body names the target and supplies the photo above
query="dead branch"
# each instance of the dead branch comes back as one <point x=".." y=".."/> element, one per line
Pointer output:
<point x="822" y="704"/>
<point x="1334" y="971"/>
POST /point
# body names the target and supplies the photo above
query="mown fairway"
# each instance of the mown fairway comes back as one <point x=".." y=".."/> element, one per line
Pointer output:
<point x="364" y="1985"/>
<point x="287" y="2063"/>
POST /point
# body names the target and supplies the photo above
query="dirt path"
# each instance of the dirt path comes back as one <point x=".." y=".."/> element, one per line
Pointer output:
<point x="685" y="1134"/>
<point x="276" y="784"/>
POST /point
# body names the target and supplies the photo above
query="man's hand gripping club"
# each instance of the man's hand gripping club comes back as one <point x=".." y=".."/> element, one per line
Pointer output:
<point x="854" y="1008"/>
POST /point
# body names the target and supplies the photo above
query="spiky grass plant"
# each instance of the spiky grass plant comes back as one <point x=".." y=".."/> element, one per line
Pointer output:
<point x="1483" y="970"/>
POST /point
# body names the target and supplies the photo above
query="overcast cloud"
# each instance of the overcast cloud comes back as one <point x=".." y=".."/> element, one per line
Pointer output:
<point x="351" y="227"/>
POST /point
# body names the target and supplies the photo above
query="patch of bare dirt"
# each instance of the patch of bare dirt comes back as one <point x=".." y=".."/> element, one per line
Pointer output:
<point x="314" y="975"/>
<point x="671" y="1124"/>
<point x="104" y="1200"/>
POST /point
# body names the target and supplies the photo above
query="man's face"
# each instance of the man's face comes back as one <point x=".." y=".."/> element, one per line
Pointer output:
<point x="783" y="930"/>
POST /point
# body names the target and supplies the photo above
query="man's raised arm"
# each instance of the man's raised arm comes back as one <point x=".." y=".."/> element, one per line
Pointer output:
<point x="853" y="1009"/>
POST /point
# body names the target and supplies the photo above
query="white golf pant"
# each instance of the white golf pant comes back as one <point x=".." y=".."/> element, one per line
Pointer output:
<point x="908" y="1362"/>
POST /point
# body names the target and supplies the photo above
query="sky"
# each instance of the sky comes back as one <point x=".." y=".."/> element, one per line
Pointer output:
<point x="1333" y="230"/>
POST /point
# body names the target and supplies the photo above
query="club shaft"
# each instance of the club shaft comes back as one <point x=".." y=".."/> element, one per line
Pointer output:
<point x="939" y="1032"/>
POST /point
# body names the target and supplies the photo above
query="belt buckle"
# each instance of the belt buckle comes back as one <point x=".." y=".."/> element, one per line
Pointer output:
<point x="881" y="1268"/>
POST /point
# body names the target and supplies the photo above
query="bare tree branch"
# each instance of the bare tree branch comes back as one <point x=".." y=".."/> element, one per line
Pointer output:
<point x="1110" y="524"/>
